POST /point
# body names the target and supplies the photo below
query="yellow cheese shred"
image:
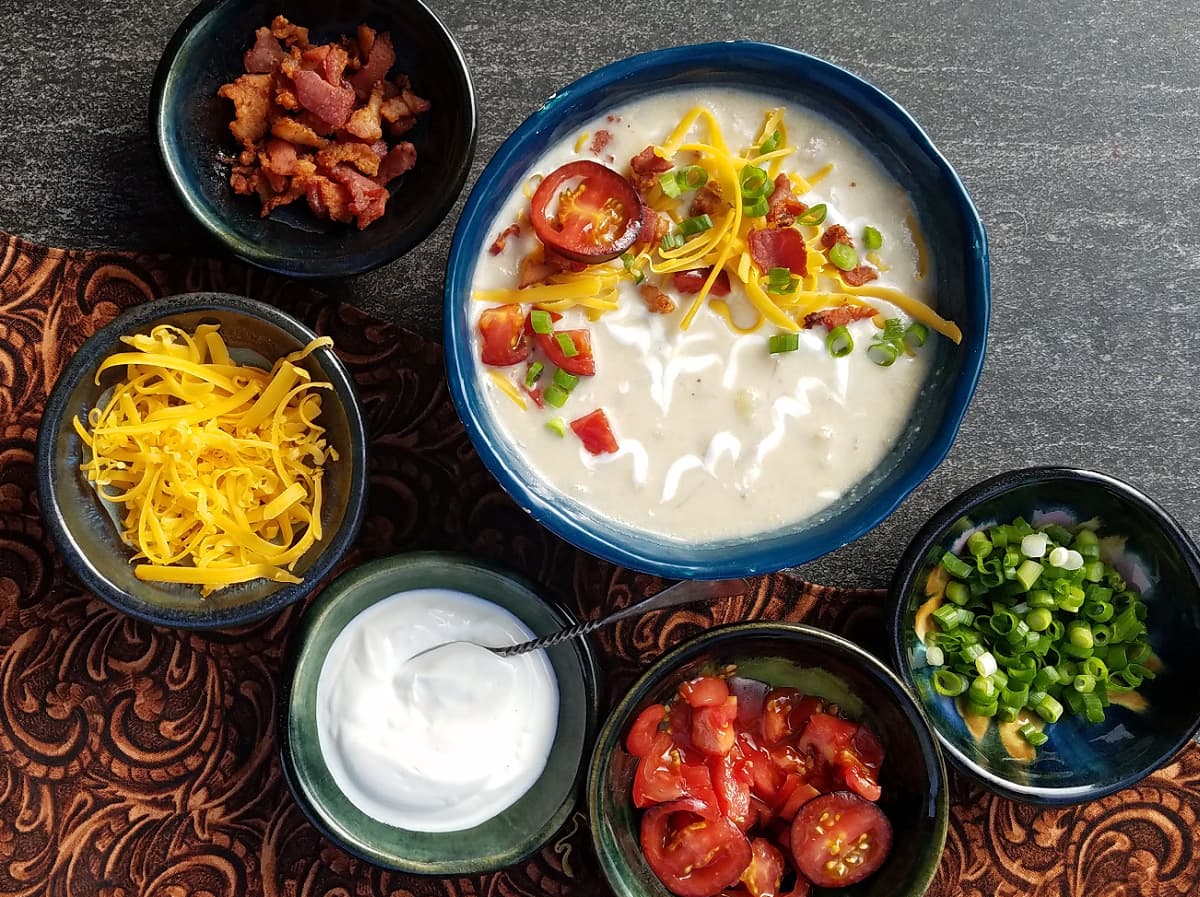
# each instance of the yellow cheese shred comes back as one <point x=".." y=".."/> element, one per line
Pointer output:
<point x="582" y="141"/>
<point x="214" y="467"/>
<point x="506" y="386"/>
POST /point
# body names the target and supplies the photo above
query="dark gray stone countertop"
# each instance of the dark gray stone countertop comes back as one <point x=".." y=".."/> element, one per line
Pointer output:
<point x="1075" y="126"/>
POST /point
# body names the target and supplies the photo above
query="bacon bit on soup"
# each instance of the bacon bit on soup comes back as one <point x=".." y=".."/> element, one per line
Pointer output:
<point x="782" y="206"/>
<point x="860" y="275"/>
<point x="691" y="281"/>
<point x="296" y="98"/>
<point x="836" y="234"/>
<point x="501" y="241"/>
<point x="654" y="226"/>
<point x="838" y="317"/>
<point x="779" y="247"/>
<point x="708" y="200"/>
<point x="595" y="432"/>
<point x="658" y="302"/>
<point x="647" y="166"/>
<point x="541" y="264"/>
<point x="600" y="141"/>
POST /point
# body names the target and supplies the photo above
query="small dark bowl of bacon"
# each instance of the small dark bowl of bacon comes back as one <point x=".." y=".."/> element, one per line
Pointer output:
<point x="314" y="139"/>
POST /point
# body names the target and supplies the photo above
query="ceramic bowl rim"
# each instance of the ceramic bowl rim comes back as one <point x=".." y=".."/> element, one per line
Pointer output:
<point x="621" y="715"/>
<point x="345" y="584"/>
<point x="48" y="473"/>
<point x="318" y="266"/>
<point x="631" y="548"/>
<point x="910" y="566"/>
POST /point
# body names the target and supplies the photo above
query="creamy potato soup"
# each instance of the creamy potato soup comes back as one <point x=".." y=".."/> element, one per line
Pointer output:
<point x="757" y="343"/>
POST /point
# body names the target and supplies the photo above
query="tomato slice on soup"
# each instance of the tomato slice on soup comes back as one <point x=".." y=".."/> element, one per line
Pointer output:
<point x="692" y="855"/>
<point x="595" y="432"/>
<point x="504" y="339"/>
<point x="586" y="212"/>
<point x="839" y="839"/>
<point x="582" y="363"/>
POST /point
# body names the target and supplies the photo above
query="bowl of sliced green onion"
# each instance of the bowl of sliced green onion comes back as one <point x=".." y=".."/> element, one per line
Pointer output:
<point x="1047" y="620"/>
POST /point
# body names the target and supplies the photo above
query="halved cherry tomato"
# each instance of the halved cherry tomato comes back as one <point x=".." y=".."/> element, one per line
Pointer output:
<point x="786" y="711"/>
<point x="839" y="839"/>
<point x="779" y="247"/>
<point x="731" y="782"/>
<point x="837" y="743"/>
<point x="595" y="432"/>
<point x="712" y="727"/>
<point x="704" y="691"/>
<point x="664" y="774"/>
<point x="693" y="856"/>
<point x="691" y="281"/>
<point x="763" y="875"/>
<point x="503" y="332"/>
<point x="581" y="364"/>
<point x="799" y="792"/>
<point x="642" y="734"/>
<point x="586" y="212"/>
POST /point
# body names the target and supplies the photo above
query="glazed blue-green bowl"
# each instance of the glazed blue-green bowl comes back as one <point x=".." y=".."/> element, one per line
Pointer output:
<point x="816" y="662"/>
<point x="1081" y="761"/>
<point x="948" y="220"/>
<point x="506" y="838"/>
<point x="190" y="125"/>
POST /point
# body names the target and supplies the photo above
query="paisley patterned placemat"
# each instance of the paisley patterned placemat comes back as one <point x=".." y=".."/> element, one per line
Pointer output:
<point x="140" y="762"/>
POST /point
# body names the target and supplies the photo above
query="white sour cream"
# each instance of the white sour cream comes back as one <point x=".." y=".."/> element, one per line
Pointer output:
<point x="445" y="741"/>
<point x="718" y="438"/>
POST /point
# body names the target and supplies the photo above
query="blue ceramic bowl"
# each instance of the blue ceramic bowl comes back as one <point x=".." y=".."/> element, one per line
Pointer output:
<point x="86" y="531"/>
<point x="947" y="217"/>
<point x="817" y="662"/>
<point x="190" y="125"/>
<point x="1080" y="761"/>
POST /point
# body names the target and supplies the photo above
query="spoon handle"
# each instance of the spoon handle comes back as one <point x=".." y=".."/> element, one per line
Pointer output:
<point x="687" y="592"/>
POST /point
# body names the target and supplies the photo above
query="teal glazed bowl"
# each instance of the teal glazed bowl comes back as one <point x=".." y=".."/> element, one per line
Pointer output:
<point x="948" y="219"/>
<point x="86" y="532"/>
<point x="506" y="838"/>
<point x="819" y="663"/>
<point x="190" y="125"/>
<point x="1080" y="761"/>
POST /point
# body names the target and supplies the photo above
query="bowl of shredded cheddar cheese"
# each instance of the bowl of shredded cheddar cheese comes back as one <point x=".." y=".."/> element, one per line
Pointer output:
<point x="202" y="461"/>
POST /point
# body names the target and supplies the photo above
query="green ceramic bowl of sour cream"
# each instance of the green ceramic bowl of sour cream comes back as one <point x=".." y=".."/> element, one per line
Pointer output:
<point x="311" y="762"/>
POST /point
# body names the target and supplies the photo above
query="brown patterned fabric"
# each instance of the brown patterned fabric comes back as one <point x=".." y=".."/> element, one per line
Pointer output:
<point x="141" y="762"/>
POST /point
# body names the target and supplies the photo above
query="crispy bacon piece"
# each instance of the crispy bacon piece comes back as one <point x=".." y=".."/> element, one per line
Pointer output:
<point x="782" y="204"/>
<point x="367" y="198"/>
<point x="856" y="277"/>
<point x="291" y="130"/>
<point x="654" y="226"/>
<point x="691" y="281"/>
<point x="332" y="105"/>
<point x="835" y="234"/>
<point x="365" y="122"/>
<point x="656" y="300"/>
<point x="838" y="317"/>
<point x="266" y="54"/>
<point x="329" y="199"/>
<point x="251" y="98"/>
<point x="360" y="155"/>
<point x="399" y="159"/>
<point x="600" y="141"/>
<point x="541" y="264"/>
<point x="708" y="200"/>
<point x="779" y="247"/>
<point x="501" y="241"/>
<point x="291" y="35"/>
<point x="380" y="58"/>
<point x="647" y="166"/>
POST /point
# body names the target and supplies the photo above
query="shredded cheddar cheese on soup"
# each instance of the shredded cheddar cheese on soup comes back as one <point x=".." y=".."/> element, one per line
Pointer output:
<point x="215" y="467"/>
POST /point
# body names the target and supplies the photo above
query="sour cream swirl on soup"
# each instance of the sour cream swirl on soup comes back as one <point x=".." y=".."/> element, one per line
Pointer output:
<point x="751" y="353"/>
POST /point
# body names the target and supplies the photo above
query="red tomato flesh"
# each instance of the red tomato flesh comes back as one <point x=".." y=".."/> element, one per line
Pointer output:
<point x="595" y="432"/>
<point x="586" y="212"/>
<point x="705" y="691"/>
<point x="712" y="727"/>
<point x="693" y="856"/>
<point x="503" y="332"/>
<point x="641" y="736"/>
<point x="765" y="872"/>
<point x="581" y="364"/>
<point x="839" y="839"/>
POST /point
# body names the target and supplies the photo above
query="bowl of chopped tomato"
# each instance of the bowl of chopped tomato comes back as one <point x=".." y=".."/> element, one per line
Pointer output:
<point x="314" y="139"/>
<point x="768" y="758"/>
<point x="202" y="461"/>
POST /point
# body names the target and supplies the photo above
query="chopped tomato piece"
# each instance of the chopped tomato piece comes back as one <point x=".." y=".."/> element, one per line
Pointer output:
<point x="767" y="778"/>
<point x="581" y="364"/>
<point x="644" y="731"/>
<point x="786" y="711"/>
<point x="765" y="872"/>
<point x="691" y="281"/>
<point x="712" y="727"/>
<point x="692" y="855"/>
<point x="595" y="432"/>
<point x="555" y="317"/>
<point x="799" y="794"/>
<point x="731" y="782"/>
<point x="586" y="212"/>
<point x="664" y="774"/>
<point x="503" y="332"/>
<point x="779" y="247"/>
<point x="839" y="839"/>
<point x="852" y="757"/>
<point x="704" y="691"/>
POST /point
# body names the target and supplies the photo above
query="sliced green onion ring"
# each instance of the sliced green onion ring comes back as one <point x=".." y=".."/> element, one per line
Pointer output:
<point x="839" y="343"/>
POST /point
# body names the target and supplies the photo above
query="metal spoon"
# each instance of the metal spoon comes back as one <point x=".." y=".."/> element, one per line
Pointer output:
<point x="690" y="591"/>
